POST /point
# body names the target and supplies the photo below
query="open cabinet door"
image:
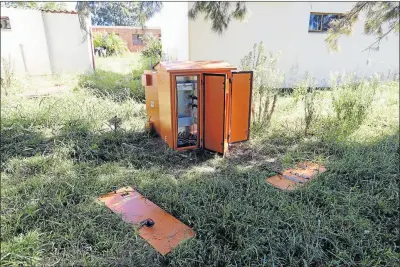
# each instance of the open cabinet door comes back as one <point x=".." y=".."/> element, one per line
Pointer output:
<point x="241" y="91"/>
<point x="214" y="112"/>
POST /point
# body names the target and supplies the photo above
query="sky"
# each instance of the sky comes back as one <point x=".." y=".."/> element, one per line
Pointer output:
<point x="154" y="21"/>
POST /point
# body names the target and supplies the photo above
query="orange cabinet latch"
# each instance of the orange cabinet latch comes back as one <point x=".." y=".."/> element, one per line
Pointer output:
<point x="146" y="79"/>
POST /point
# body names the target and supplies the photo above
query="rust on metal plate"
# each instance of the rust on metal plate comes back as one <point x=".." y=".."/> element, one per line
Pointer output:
<point x="279" y="182"/>
<point x="293" y="178"/>
<point x="167" y="232"/>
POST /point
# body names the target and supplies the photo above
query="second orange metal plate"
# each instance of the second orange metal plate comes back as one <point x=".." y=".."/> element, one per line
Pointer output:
<point x="293" y="178"/>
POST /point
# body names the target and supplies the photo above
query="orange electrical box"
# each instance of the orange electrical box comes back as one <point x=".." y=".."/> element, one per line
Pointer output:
<point x="199" y="104"/>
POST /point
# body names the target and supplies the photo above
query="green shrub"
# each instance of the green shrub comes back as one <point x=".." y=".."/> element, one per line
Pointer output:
<point x="98" y="39"/>
<point x="113" y="44"/>
<point x="351" y="98"/>
<point x="114" y="85"/>
<point x="153" y="48"/>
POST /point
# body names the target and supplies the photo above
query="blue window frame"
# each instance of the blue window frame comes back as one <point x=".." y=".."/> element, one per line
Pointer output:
<point x="319" y="22"/>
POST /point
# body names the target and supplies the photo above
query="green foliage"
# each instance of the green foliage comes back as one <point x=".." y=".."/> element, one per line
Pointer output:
<point x="352" y="98"/>
<point x="114" y="44"/>
<point x="267" y="79"/>
<point x="112" y="13"/>
<point x="305" y="91"/>
<point x="220" y="13"/>
<point x="153" y="48"/>
<point x="98" y="39"/>
<point x="381" y="18"/>
<point x="123" y="13"/>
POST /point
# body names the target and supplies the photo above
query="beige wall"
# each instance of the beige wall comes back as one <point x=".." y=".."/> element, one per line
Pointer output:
<point x="68" y="52"/>
<point x="25" y="41"/>
<point x="43" y="43"/>
<point x="174" y="30"/>
<point x="284" y="27"/>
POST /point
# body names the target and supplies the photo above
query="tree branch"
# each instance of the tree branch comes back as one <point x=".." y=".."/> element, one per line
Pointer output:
<point x="379" y="39"/>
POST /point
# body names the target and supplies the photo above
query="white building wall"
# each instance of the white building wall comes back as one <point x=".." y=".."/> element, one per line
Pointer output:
<point x="175" y="30"/>
<point x="68" y="52"/>
<point x="284" y="27"/>
<point x="25" y="43"/>
<point x="41" y="43"/>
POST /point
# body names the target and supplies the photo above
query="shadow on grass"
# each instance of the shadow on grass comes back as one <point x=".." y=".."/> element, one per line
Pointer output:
<point x="136" y="149"/>
<point x="17" y="140"/>
<point x="348" y="216"/>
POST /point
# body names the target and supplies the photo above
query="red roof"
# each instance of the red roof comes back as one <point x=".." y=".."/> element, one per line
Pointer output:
<point x="63" y="11"/>
<point x="59" y="11"/>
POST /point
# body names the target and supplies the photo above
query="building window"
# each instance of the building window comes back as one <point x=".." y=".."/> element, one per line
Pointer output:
<point x="319" y="22"/>
<point x="137" y="39"/>
<point x="159" y="37"/>
<point x="5" y="23"/>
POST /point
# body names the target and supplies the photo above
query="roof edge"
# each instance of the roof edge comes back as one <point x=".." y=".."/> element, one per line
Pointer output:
<point x="127" y="27"/>
<point x="61" y="11"/>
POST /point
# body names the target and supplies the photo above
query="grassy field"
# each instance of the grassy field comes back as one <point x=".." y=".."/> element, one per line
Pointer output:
<point x="58" y="154"/>
<point x="121" y="64"/>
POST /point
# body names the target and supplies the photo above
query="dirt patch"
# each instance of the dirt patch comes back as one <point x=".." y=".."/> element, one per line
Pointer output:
<point x="47" y="91"/>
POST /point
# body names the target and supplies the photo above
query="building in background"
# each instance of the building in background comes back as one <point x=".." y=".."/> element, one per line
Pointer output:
<point x="132" y="35"/>
<point x="38" y="42"/>
<point x="295" y="29"/>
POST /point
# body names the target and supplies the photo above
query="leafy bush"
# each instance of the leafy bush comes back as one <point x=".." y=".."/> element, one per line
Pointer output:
<point x="351" y="98"/>
<point x="153" y="48"/>
<point x="305" y="91"/>
<point x="112" y="43"/>
<point x="114" y="85"/>
<point x="267" y="79"/>
<point x="98" y="39"/>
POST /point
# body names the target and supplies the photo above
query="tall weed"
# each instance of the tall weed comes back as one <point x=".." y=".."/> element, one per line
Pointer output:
<point x="267" y="79"/>
<point x="7" y="75"/>
<point x="305" y="91"/>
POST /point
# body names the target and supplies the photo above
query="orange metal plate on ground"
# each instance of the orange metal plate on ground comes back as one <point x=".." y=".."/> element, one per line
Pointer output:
<point x="282" y="183"/>
<point x="167" y="232"/>
<point x="293" y="178"/>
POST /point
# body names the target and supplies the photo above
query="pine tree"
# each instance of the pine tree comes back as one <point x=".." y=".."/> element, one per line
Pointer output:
<point x="381" y="19"/>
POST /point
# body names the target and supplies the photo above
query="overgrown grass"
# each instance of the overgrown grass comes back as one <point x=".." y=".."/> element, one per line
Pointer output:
<point x="117" y="83"/>
<point x="121" y="64"/>
<point x="59" y="155"/>
<point x="117" y="86"/>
